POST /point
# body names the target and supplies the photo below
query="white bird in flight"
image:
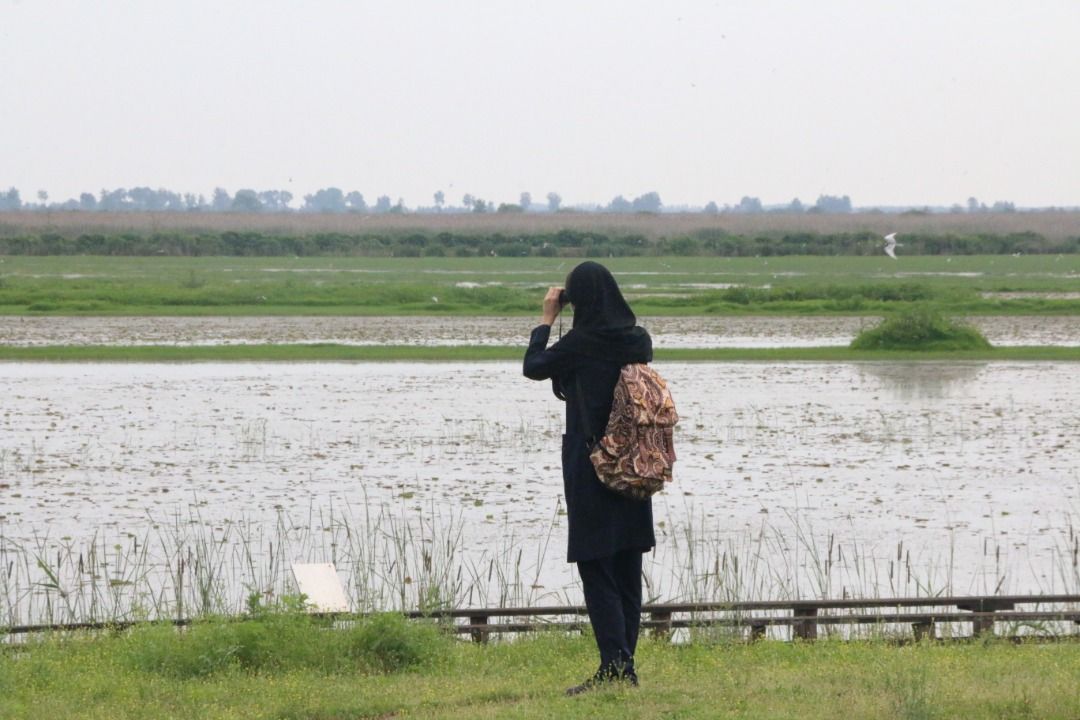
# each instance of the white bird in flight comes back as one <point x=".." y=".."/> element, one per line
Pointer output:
<point x="890" y="245"/>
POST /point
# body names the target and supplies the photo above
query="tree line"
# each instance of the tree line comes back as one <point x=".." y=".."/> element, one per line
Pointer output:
<point x="336" y="200"/>
<point x="563" y="243"/>
<point x="246" y="200"/>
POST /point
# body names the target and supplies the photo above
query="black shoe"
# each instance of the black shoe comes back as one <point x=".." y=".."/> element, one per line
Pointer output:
<point x="591" y="684"/>
<point x="604" y="679"/>
<point x="623" y="671"/>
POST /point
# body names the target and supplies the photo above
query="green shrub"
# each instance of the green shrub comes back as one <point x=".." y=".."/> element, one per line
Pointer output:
<point x="603" y="243"/>
<point x="180" y="654"/>
<point x="273" y="641"/>
<point x="920" y="328"/>
<point x="388" y="642"/>
<point x="683" y="246"/>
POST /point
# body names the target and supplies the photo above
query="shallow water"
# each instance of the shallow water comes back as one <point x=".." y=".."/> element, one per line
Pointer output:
<point x="674" y="332"/>
<point x="968" y="468"/>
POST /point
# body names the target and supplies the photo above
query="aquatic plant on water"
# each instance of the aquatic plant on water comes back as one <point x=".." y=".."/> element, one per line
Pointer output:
<point x="920" y="328"/>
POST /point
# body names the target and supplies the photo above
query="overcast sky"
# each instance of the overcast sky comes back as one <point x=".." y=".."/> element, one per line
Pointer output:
<point x="914" y="102"/>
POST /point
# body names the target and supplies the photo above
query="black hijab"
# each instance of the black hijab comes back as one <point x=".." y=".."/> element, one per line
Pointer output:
<point x="604" y="325"/>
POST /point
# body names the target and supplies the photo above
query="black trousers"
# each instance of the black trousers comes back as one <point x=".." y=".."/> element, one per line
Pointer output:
<point x="613" y="597"/>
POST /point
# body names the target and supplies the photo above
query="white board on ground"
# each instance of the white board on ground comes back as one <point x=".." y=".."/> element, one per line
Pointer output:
<point x="320" y="582"/>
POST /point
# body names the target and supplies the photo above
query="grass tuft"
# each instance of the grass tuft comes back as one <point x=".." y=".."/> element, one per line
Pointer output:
<point x="920" y="328"/>
<point x="387" y="642"/>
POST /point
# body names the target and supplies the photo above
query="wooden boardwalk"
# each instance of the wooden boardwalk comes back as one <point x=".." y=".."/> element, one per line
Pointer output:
<point x="805" y="617"/>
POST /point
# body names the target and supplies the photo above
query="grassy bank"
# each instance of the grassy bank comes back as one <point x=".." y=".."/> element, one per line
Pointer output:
<point x="352" y="353"/>
<point x="295" y="669"/>
<point x="968" y="285"/>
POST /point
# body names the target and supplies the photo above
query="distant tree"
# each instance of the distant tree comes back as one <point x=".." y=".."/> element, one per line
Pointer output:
<point x="554" y="201"/>
<point x="325" y="200"/>
<point x="141" y="198"/>
<point x="275" y="200"/>
<point x="383" y="204"/>
<point x="956" y="208"/>
<point x="468" y="201"/>
<point x="509" y="208"/>
<point x="480" y="206"/>
<point x="440" y="198"/>
<point x="147" y="198"/>
<point x="399" y="206"/>
<point x="973" y="204"/>
<point x="43" y="196"/>
<point x="711" y="208"/>
<point x="649" y="202"/>
<point x="355" y="202"/>
<point x="173" y="200"/>
<point x="220" y="200"/>
<point x="1003" y="206"/>
<point x="795" y="206"/>
<point x="112" y="200"/>
<point x="160" y="199"/>
<point x="748" y="205"/>
<point x="246" y="200"/>
<point x="525" y="201"/>
<point x="833" y="204"/>
<point x="10" y="200"/>
<point x="619" y="204"/>
<point x="87" y="201"/>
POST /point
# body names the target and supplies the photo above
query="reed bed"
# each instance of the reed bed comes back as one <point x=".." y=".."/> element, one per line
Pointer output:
<point x="1052" y="224"/>
<point x="394" y="559"/>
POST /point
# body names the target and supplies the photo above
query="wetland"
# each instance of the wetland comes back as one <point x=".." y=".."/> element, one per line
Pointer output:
<point x="147" y="489"/>
<point x="825" y="478"/>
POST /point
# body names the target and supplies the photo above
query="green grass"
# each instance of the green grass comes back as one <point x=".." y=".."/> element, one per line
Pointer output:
<point x="507" y="286"/>
<point x="296" y="668"/>
<point x="352" y="353"/>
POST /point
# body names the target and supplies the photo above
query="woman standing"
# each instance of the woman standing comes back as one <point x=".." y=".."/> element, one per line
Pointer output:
<point x="608" y="533"/>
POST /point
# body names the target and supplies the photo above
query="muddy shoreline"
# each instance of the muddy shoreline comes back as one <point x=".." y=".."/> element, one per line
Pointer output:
<point x="668" y="332"/>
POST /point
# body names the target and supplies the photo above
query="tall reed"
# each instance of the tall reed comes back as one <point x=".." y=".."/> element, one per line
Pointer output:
<point x="398" y="558"/>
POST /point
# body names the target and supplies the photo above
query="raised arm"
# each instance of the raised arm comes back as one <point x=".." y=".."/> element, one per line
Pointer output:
<point x="541" y="363"/>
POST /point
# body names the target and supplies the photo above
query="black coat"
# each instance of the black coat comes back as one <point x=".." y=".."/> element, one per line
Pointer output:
<point x="600" y="522"/>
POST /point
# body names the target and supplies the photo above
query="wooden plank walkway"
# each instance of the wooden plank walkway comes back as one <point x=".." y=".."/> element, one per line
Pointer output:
<point x="804" y="617"/>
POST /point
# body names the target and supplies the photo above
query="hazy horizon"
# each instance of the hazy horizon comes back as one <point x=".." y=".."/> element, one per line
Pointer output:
<point x="909" y="105"/>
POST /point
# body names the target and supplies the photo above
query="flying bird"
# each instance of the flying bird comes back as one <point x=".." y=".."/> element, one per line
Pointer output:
<point x="890" y="245"/>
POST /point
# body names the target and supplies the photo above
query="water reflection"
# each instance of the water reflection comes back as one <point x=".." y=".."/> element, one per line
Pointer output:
<point x="922" y="380"/>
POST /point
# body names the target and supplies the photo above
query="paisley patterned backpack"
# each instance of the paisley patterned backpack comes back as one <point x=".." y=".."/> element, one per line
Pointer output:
<point x="634" y="455"/>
